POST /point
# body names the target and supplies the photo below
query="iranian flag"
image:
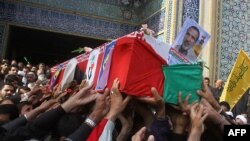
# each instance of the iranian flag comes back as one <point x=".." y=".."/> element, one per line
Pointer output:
<point x="136" y="60"/>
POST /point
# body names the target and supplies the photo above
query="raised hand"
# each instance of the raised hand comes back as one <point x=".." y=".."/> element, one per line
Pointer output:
<point x="208" y="95"/>
<point x="84" y="96"/>
<point x="197" y="117"/>
<point x="156" y="101"/>
<point x="35" y="90"/>
<point x="213" y="115"/>
<point x="46" y="105"/>
<point x="185" y="107"/>
<point x="118" y="104"/>
<point x="144" y="111"/>
<point x="101" y="107"/>
<point x="83" y="84"/>
<point x="139" y="136"/>
<point x="127" y="125"/>
<point x="179" y="121"/>
<point x="56" y="90"/>
<point x="146" y="30"/>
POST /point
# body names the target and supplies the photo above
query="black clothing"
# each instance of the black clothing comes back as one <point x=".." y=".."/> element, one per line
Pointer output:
<point x="81" y="134"/>
<point x="40" y="127"/>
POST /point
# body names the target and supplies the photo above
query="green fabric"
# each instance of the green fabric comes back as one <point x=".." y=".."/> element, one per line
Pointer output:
<point x="185" y="78"/>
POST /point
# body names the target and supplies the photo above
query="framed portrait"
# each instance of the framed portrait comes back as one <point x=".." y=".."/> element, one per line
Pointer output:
<point x="188" y="44"/>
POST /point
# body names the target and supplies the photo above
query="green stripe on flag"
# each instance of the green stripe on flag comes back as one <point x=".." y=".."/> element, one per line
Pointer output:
<point x="182" y="77"/>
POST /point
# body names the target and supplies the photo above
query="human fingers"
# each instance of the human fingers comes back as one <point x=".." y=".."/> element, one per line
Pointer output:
<point x="141" y="132"/>
<point x="187" y="98"/>
<point x="151" y="138"/>
<point x="180" y="98"/>
<point x="106" y="92"/>
<point x="155" y="93"/>
<point x="126" y="100"/>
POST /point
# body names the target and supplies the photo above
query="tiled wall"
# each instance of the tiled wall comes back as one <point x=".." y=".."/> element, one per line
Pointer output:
<point x="80" y="17"/>
<point x="156" y="22"/>
<point x="110" y="9"/>
<point x="154" y="15"/>
<point x="152" y="7"/>
<point x="169" y="16"/>
<point x="234" y="26"/>
<point x="17" y="13"/>
<point x="191" y="10"/>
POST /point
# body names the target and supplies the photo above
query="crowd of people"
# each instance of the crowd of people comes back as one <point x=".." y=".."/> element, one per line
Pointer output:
<point x="30" y="110"/>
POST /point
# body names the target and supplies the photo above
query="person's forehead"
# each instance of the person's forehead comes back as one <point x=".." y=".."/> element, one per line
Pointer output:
<point x="194" y="31"/>
<point x="219" y="81"/>
<point x="8" y="87"/>
<point x="31" y="73"/>
<point x="4" y="64"/>
<point x="29" y="76"/>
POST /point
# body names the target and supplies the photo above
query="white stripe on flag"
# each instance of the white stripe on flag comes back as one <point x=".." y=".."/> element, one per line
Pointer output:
<point x="107" y="131"/>
<point x="159" y="47"/>
<point x="69" y="73"/>
<point x="91" y="66"/>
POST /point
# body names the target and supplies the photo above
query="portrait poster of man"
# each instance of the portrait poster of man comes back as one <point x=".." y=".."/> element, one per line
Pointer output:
<point x="188" y="44"/>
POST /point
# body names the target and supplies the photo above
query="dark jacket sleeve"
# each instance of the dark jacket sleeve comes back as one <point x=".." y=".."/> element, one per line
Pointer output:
<point x="81" y="134"/>
<point x="49" y="119"/>
<point x="160" y="128"/>
<point x="12" y="125"/>
<point x="38" y="128"/>
<point x="178" y="137"/>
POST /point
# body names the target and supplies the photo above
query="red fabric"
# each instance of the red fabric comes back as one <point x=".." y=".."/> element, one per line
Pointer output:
<point x="82" y="63"/>
<point x="97" y="131"/>
<point x="137" y="67"/>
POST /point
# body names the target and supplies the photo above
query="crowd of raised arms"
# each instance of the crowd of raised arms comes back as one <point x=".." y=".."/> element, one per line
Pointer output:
<point x="29" y="110"/>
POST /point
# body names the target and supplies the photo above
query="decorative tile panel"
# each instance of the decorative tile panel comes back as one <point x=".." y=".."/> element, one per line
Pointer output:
<point x="109" y="9"/>
<point x="75" y="5"/>
<point x="169" y="17"/>
<point x="235" y="33"/>
<point x="18" y="13"/>
<point x="191" y="10"/>
<point x="156" y="22"/>
<point x="152" y="7"/>
<point x="111" y="2"/>
<point x="218" y="45"/>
